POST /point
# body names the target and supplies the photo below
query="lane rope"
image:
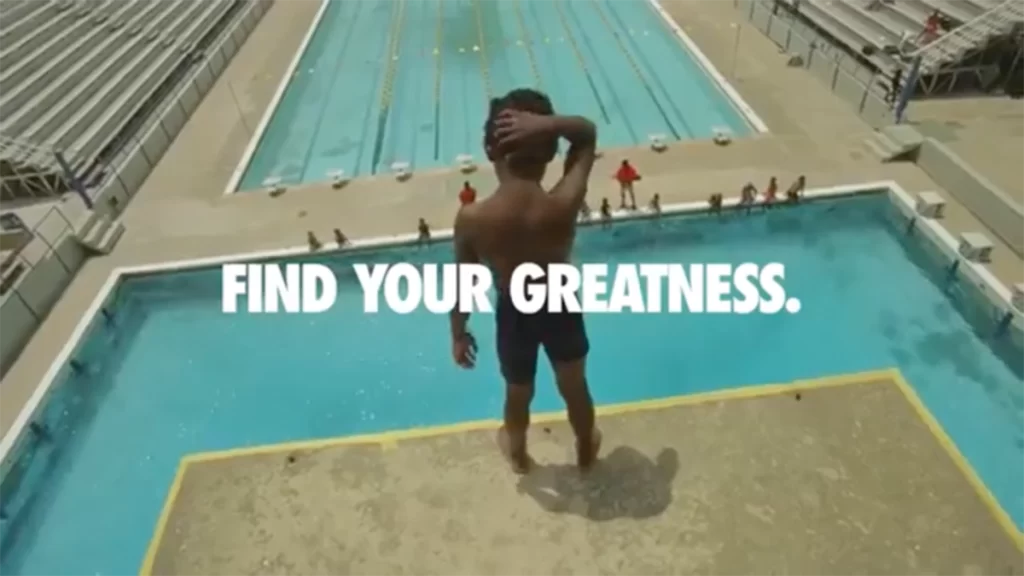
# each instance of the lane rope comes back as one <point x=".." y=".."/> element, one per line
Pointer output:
<point x="538" y="83"/>
<point x="438" y="72"/>
<point x="484" y="70"/>
<point x="579" y="59"/>
<point x="636" y="68"/>
<point x="387" y="90"/>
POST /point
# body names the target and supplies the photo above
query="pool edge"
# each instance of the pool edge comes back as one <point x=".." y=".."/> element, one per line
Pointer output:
<point x="397" y="240"/>
<point x="728" y="90"/>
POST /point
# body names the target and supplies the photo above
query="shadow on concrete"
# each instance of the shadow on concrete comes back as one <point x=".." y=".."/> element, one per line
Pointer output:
<point x="624" y="484"/>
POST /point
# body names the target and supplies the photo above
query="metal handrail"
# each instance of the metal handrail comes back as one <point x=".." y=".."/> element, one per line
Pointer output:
<point x="963" y="31"/>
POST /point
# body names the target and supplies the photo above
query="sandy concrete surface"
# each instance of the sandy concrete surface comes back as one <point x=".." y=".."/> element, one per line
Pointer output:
<point x="986" y="132"/>
<point x="841" y="480"/>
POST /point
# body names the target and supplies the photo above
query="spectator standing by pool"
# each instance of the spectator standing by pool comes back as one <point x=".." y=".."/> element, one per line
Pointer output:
<point x="626" y="176"/>
<point x="468" y="194"/>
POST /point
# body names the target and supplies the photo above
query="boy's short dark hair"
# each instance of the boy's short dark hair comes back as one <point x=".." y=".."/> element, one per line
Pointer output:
<point x="525" y="100"/>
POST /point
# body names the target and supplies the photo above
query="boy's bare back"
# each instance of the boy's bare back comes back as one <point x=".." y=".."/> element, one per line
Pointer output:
<point x="520" y="223"/>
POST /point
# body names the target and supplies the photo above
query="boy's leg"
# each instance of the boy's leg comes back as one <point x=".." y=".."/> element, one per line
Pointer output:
<point x="566" y="344"/>
<point x="517" y="355"/>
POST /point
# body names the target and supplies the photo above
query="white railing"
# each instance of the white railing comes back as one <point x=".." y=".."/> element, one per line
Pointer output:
<point x="954" y="44"/>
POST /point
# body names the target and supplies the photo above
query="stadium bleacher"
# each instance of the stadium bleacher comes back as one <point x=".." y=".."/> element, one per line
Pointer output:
<point x="94" y="91"/>
<point x="874" y="28"/>
<point x="75" y="72"/>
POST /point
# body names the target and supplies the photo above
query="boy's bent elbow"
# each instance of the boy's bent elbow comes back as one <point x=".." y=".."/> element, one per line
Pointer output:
<point x="588" y="132"/>
<point x="579" y="131"/>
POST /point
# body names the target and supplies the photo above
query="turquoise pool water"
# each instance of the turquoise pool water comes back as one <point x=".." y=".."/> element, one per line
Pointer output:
<point x="172" y="375"/>
<point x="385" y="81"/>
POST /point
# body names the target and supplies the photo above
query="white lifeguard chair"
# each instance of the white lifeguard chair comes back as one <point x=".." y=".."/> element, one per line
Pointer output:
<point x="273" y="185"/>
<point x="930" y="205"/>
<point x="976" y="247"/>
<point x="465" y="163"/>
<point x="338" y="178"/>
<point x="722" y="135"/>
<point x="659" y="142"/>
<point x="402" y="171"/>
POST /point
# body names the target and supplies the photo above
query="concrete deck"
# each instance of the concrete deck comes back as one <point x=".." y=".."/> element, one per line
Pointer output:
<point x="840" y="476"/>
<point x="988" y="133"/>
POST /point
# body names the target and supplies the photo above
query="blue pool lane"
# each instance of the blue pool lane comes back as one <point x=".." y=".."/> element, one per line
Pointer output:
<point x="370" y="89"/>
<point x="324" y="145"/>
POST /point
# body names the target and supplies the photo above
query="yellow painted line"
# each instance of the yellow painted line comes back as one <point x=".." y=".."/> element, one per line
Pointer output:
<point x="438" y="40"/>
<point x="986" y="496"/>
<point x="529" y="44"/>
<point x="390" y="440"/>
<point x="396" y="436"/>
<point x="618" y="40"/>
<point x="161" y="524"/>
<point x="568" y="34"/>
<point x="394" y="44"/>
<point x="384" y="439"/>
<point x="484" y="70"/>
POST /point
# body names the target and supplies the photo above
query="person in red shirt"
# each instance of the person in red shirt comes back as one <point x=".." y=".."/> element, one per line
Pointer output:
<point x="931" y="29"/>
<point x="467" y="195"/>
<point x="627" y="175"/>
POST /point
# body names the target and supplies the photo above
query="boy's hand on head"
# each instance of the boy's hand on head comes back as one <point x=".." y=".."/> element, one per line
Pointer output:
<point x="514" y="127"/>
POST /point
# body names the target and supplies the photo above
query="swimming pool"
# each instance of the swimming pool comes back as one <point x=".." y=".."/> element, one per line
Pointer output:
<point x="169" y="374"/>
<point x="384" y="81"/>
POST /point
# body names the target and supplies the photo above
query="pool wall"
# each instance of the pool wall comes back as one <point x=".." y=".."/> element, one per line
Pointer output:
<point x="720" y="82"/>
<point x="945" y="244"/>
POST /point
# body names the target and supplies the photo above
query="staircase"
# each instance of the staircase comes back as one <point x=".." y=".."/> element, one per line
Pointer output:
<point x="894" y="143"/>
<point x="98" y="233"/>
<point x="974" y="34"/>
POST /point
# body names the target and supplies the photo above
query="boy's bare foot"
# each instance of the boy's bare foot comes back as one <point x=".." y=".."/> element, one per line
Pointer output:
<point x="519" y="459"/>
<point x="587" y="455"/>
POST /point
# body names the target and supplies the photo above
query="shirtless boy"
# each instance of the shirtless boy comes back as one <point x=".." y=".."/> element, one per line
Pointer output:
<point x="522" y="222"/>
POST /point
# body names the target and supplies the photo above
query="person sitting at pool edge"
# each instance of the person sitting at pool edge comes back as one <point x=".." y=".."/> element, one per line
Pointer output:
<point x="796" y="190"/>
<point x="748" y="195"/>
<point x="424" y="231"/>
<point x="606" y="213"/>
<point x="715" y="203"/>
<point x="771" y="192"/>
<point x="340" y="238"/>
<point x="656" y="204"/>
<point x="522" y="222"/>
<point x="626" y="175"/>
<point x="584" y="212"/>
<point x="468" y="194"/>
